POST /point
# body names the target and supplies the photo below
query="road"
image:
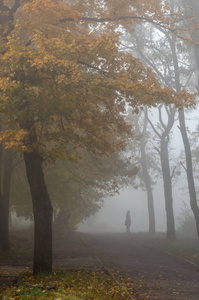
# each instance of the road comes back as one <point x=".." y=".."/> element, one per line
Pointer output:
<point x="152" y="274"/>
<point x="149" y="272"/>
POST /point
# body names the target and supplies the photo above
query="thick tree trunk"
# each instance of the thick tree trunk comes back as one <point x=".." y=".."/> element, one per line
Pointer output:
<point x="7" y="162"/>
<point x="164" y="157"/>
<point x="189" y="169"/>
<point x="42" y="210"/>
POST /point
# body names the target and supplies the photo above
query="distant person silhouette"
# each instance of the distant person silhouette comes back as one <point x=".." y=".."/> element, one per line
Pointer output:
<point x="128" y="221"/>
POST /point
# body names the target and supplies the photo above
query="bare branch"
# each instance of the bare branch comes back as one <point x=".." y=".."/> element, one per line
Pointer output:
<point x="92" y="67"/>
<point x="183" y="167"/>
<point x="156" y="148"/>
<point x="153" y="127"/>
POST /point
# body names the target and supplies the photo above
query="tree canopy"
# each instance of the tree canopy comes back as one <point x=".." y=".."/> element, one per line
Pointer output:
<point x="71" y="80"/>
<point x="65" y="85"/>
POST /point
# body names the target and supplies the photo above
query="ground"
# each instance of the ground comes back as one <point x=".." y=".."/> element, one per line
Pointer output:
<point x="150" y="272"/>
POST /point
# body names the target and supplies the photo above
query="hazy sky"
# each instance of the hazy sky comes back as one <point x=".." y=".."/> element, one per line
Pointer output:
<point x="112" y="215"/>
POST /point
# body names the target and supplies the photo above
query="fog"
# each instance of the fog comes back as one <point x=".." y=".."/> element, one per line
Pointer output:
<point x="111" y="216"/>
<point x="142" y="43"/>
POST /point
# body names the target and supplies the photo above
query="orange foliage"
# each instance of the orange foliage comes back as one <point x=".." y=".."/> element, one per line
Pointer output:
<point x="69" y="78"/>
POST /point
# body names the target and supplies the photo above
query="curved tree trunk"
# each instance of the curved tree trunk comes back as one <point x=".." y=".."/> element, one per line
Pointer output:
<point x="189" y="169"/>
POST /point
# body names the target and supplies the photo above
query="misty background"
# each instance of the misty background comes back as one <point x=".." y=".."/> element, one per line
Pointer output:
<point x="175" y="65"/>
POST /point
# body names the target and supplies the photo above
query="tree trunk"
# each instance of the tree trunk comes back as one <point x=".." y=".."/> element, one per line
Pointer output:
<point x="164" y="157"/>
<point x="150" y="201"/>
<point x="189" y="169"/>
<point x="7" y="162"/>
<point x="42" y="208"/>
<point x="145" y="171"/>
<point x="147" y="182"/>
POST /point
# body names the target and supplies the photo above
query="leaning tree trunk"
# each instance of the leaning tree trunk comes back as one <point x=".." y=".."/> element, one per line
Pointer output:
<point x="189" y="169"/>
<point x="164" y="157"/>
<point x="42" y="207"/>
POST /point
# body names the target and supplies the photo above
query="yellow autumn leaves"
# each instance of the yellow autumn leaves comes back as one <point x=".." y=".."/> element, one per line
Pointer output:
<point x="70" y="78"/>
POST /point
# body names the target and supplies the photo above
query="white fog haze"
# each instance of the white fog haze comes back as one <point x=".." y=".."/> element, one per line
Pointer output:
<point x="111" y="217"/>
<point x="99" y="149"/>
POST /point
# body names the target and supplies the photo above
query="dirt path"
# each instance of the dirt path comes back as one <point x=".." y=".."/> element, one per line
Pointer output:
<point x="150" y="273"/>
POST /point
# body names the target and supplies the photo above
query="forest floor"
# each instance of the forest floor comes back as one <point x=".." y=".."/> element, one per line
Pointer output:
<point x="153" y="268"/>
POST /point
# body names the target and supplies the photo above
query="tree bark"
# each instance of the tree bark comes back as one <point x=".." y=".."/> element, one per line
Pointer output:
<point x="165" y="165"/>
<point x="189" y="169"/>
<point x="150" y="200"/>
<point x="42" y="207"/>
<point x="7" y="162"/>
<point x="145" y="171"/>
<point x="164" y="158"/>
<point x="147" y="181"/>
<point x="42" y="210"/>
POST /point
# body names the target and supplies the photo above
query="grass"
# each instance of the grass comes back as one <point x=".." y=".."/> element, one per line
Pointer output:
<point x="73" y="285"/>
<point x="184" y="247"/>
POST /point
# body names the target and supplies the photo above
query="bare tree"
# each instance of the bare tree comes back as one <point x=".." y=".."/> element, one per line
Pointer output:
<point x="164" y="136"/>
<point x="145" y="169"/>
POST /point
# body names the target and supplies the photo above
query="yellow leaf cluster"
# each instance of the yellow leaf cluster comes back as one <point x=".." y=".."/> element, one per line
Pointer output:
<point x="14" y="139"/>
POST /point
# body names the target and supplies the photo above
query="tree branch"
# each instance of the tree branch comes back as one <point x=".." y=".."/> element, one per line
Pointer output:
<point x="160" y="116"/>
<point x="183" y="167"/>
<point x="92" y="67"/>
<point x="156" y="148"/>
<point x="153" y="127"/>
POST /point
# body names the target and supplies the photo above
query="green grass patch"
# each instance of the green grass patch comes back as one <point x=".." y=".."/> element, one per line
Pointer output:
<point x="71" y="285"/>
